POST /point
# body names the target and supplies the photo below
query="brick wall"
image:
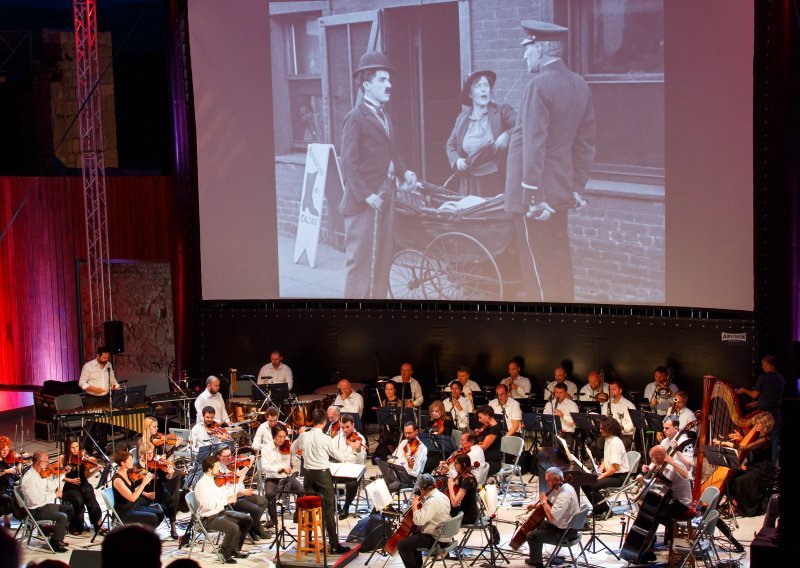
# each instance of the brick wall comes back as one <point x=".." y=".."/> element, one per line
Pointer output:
<point x="59" y="48"/>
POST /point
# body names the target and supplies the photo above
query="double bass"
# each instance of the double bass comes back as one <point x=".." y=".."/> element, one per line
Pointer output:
<point x="536" y="518"/>
<point x="651" y="500"/>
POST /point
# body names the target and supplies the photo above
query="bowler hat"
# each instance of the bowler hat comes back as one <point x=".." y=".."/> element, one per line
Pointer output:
<point x="474" y="76"/>
<point x="537" y="30"/>
<point x="372" y="60"/>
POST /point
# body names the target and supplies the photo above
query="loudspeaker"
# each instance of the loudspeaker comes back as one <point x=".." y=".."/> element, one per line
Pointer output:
<point x="85" y="559"/>
<point x="114" y="337"/>
<point x="369" y="531"/>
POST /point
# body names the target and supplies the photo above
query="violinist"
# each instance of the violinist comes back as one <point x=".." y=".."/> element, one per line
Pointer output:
<point x="470" y="448"/>
<point x="440" y="422"/>
<point x="263" y="436"/>
<point x="166" y="484"/>
<point x="613" y="469"/>
<point x="247" y="501"/>
<point x="458" y="406"/>
<point x="411" y="453"/>
<point x="354" y="446"/>
<point x="333" y="427"/>
<point x="559" y="509"/>
<point x="490" y="434"/>
<point x="276" y="463"/>
<point x="164" y="444"/>
<point x="208" y="432"/>
<point x="131" y="497"/>
<point x="680" y="494"/>
<point x="10" y="469"/>
<point x="39" y="488"/>
<point x="211" y="503"/>
<point x="78" y="492"/>
<point x="437" y="437"/>
<point x="431" y="510"/>
<point x="463" y="490"/>
<point x="745" y="487"/>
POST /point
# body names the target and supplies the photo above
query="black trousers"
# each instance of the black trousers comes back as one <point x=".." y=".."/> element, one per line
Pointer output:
<point x="80" y="496"/>
<point x="233" y="525"/>
<point x="169" y="493"/>
<point x="594" y="494"/>
<point x="253" y="505"/>
<point x="350" y="490"/>
<point x="273" y="486"/>
<point x="368" y="251"/>
<point x="675" y="509"/>
<point x="59" y="513"/>
<point x="320" y="481"/>
<point x="407" y="549"/>
<point x="545" y="534"/>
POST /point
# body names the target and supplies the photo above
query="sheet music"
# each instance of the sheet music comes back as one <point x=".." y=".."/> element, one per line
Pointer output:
<point x="379" y="493"/>
<point x="569" y="454"/>
<point x="351" y="470"/>
<point x="591" y="457"/>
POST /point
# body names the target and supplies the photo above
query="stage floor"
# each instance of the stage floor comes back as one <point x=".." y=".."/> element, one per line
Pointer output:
<point x="261" y="555"/>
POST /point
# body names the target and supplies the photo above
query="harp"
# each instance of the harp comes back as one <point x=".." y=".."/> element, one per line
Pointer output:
<point x="721" y="414"/>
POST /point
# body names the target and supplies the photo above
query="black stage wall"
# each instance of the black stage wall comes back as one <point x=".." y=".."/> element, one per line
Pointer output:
<point x="323" y="342"/>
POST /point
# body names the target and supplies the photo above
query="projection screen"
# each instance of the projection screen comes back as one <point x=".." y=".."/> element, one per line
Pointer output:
<point x="642" y="108"/>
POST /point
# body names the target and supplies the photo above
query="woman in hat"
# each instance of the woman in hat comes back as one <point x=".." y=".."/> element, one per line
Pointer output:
<point x="477" y="146"/>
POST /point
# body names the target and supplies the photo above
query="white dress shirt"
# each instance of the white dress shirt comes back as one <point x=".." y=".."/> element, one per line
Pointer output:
<point x="263" y="437"/>
<point x="680" y="487"/>
<point x="215" y="401"/>
<point x="419" y="457"/>
<point x="522" y="386"/>
<point x="353" y="404"/>
<point x="614" y="453"/>
<point x="511" y="411"/>
<point x="434" y="513"/>
<point x="662" y="404"/>
<point x="567" y="407"/>
<point x="283" y="374"/>
<point x="273" y="461"/>
<point x="351" y="455"/>
<point x="685" y="416"/>
<point x="210" y="498"/>
<point x="688" y="450"/>
<point x="564" y="506"/>
<point x="199" y="437"/>
<point x="588" y="393"/>
<point x="318" y="449"/>
<point x="416" y="390"/>
<point x="572" y="389"/>
<point x="476" y="455"/>
<point x="94" y="375"/>
<point x="619" y="410"/>
<point x="460" y="417"/>
<point x="37" y="491"/>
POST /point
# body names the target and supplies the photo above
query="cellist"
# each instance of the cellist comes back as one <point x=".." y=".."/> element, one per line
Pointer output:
<point x="431" y="510"/>
<point x="559" y="509"/>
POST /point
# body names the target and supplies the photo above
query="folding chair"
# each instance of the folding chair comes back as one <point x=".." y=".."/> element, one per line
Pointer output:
<point x="198" y="530"/>
<point x="68" y="402"/>
<point x="30" y="527"/>
<point x="481" y="473"/>
<point x="439" y="550"/>
<point x="612" y="494"/>
<point x="513" y="446"/>
<point x="183" y="451"/>
<point x="702" y="544"/>
<point x="110" y="516"/>
<point x="577" y="522"/>
<point x="455" y="437"/>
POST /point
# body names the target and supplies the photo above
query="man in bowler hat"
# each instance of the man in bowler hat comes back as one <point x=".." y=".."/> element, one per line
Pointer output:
<point x="372" y="171"/>
<point x="549" y="161"/>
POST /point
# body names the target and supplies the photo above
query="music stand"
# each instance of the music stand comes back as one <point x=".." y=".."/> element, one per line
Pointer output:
<point x="723" y="456"/>
<point x="640" y="423"/>
<point x="395" y="473"/>
<point x="533" y="423"/>
<point x="280" y="497"/>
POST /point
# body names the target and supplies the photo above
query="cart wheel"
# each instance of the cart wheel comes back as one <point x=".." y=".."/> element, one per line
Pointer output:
<point x="459" y="267"/>
<point x="407" y="276"/>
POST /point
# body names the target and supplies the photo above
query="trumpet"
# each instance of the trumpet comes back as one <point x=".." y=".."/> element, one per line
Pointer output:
<point x="602" y="396"/>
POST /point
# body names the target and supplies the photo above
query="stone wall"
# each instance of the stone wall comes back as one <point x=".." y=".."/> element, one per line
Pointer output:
<point x="59" y="52"/>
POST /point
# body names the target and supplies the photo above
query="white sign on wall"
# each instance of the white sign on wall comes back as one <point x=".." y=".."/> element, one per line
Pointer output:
<point x="322" y="169"/>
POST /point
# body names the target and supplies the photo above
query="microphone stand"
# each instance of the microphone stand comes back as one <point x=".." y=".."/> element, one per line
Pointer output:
<point x="185" y="401"/>
<point x="267" y="396"/>
<point x="110" y="411"/>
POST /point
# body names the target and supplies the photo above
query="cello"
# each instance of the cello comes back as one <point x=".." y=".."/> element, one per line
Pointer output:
<point x="535" y="519"/>
<point x="404" y="530"/>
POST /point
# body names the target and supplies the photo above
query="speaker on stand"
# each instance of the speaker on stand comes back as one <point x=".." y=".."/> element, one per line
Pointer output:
<point x="113" y="336"/>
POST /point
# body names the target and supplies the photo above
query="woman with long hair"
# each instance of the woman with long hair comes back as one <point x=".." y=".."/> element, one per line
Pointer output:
<point x="77" y="491"/>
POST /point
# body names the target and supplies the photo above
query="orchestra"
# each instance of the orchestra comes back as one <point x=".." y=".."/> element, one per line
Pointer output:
<point x="294" y="458"/>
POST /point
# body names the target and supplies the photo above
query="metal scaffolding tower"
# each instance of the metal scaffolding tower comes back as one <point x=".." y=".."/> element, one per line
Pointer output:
<point x="92" y="163"/>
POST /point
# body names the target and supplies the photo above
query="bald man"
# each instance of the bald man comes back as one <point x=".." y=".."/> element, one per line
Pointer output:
<point x="348" y="401"/>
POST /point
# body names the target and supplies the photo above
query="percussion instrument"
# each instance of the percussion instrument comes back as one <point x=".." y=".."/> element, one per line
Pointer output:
<point x="240" y="411"/>
<point x="306" y="405"/>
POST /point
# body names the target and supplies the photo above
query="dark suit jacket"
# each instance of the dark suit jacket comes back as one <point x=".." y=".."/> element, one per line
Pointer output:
<point x="501" y="118"/>
<point x="552" y="145"/>
<point x="366" y="154"/>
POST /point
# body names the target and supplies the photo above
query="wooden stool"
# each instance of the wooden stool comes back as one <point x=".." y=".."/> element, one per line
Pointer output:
<point x="682" y="528"/>
<point x="309" y="519"/>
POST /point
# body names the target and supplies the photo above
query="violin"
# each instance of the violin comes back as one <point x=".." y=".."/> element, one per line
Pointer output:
<point x="354" y="437"/>
<point x="158" y="465"/>
<point x="334" y="429"/>
<point x="479" y="431"/>
<point x="438" y="426"/>
<point x="286" y="447"/>
<point x="136" y="474"/>
<point x="87" y="462"/>
<point x="442" y="470"/>
<point x="52" y="470"/>
<point x="224" y="478"/>
<point x="410" y="449"/>
<point x="216" y="430"/>
<point x="160" y="439"/>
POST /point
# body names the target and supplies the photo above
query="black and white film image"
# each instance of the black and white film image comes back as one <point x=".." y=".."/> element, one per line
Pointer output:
<point x="518" y="160"/>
